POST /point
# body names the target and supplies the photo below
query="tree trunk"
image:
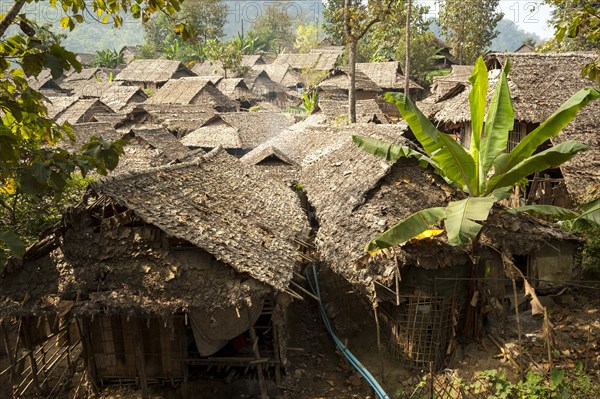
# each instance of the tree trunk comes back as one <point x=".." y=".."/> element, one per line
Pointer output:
<point x="9" y="17"/>
<point x="407" y="61"/>
<point x="352" y="86"/>
<point x="351" y="40"/>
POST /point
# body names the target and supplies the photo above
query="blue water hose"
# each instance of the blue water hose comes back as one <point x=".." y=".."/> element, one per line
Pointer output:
<point x="345" y="351"/>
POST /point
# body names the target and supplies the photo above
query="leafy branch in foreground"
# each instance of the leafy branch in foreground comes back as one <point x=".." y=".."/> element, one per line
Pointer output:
<point x="485" y="173"/>
<point x="32" y="163"/>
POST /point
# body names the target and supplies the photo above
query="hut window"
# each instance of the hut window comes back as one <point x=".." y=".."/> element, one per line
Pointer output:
<point x="516" y="135"/>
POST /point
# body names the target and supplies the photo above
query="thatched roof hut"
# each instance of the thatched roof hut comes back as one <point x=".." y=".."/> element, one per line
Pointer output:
<point x="119" y="97"/>
<point x="46" y="84"/>
<point x="129" y="53"/>
<point x="238" y="130"/>
<point x="150" y="147"/>
<point x="193" y="90"/>
<point x="188" y="203"/>
<point x="366" y="111"/>
<point x="237" y="90"/>
<point x="318" y="60"/>
<point x="176" y="117"/>
<point x="263" y="86"/>
<point x="74" y="110"/>
<point x="209" y="68"/>
<point x="250" y="60"/>
<point x="357" y="196"/>
<point x="152" y="74"/>
<point x="282" y="74"/>
<point x="387" y="75"/>
<point x="337" y="84"/>
<point x="304" y="142"/>
<point x="209" y="239"/>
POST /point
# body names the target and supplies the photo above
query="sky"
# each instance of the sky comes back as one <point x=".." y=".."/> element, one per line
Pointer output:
<point x="529" y="15"/>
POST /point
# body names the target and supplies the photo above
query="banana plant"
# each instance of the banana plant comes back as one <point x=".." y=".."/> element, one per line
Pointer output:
<point x="485" y="173"/>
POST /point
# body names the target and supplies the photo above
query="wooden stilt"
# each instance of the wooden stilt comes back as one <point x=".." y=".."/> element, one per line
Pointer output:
<point x="88" y="356"/>
<point x="9" y="351"/>
<point x="259" y="369"/>
<point x="33" y="363"/>
<point x="276" y="352"/>
<point x="139" y="359"/>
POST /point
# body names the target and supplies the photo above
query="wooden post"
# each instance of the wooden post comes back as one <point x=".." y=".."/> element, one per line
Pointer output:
<point x="9" y="352"/>
<point x="275" y="333"/>
<point x="88" y="355"/>
<point x="261" y="378"/>
<point x="34" y="369"/>
<point x="139" y="358"/>
<point x="516" y="299"/>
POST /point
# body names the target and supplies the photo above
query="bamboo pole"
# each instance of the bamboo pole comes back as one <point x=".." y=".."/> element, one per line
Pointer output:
<point x="9" y="351"/>
<point x="139" y="358"/>
<point x="259" y="370"/>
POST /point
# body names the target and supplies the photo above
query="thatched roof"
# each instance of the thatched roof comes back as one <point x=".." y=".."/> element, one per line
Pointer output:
<point x="177" y="117"/>
<point x="45" y="82"/>
<point x="366" y="110"/>
<point x="339" y="50"/>
<point x="207" y="68"/>
<point x="358" y="196"/>
<point x="193" y="90"/>
<point x="235" y="88"/>
<point x="73" y="109"/>
<point x="246" y="225"/>
<point x="339" y="79"/>
<point x="459" y="76"/>
<point x="387" y="75"/>
<point x="84" y="131"/>
<point x="243" y="130"/>
<point x="153" y="71"/>
<point x="223" y="207"/>
<point x="86" y="59"/>
<point x="56" y="105"/>
<point x="281" y="74"/>
<point x="118" y="97"/>
<point x="251" y="60"/>
<point x="86" y="74"/>
<point x="319" y="60"/>
<point x="150" y="147"/>
<point x="311" y="139"/>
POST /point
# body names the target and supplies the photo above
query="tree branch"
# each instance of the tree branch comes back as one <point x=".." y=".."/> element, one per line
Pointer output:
<point x="10" y="16"/>
<point x="378" y="18"/>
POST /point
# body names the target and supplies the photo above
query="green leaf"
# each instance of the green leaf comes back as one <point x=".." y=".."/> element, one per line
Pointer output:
<point x="389" y="151"/>
<point x="454" y="161"/>
<point x="555" y="212"/>
<point x="499" y="121"/>
<point x="590" y="216"/>
<point x="13" y="243"/>
<point x="477" y="100"/>
<point x="550" y="158"/>
<point x="407" y="228"/>
<point x="556" y="378"/>
<point x="462" y="217"/>
<point x="547" y="130"/>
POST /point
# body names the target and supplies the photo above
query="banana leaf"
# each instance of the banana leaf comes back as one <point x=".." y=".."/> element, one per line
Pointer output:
<point x="453" y="160"/>
<point x="548" y="129"/>
<point x="407" y="229"/>
<point x="462" y="217"/>
<point x="549" y="158"/>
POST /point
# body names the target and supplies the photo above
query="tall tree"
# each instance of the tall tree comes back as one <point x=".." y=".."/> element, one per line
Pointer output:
<point x="469" y="26"/>
<point x="358" y="20"/>
<point x="274" y="29"/>
<point x="307" y="37"/>
<point x="31" y="162"/>
<point x="387" y="39"/>
<point x="204" y="18"/>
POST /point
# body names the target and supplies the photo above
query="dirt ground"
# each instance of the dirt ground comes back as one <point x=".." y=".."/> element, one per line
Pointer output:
<point x="317" y="370"/>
